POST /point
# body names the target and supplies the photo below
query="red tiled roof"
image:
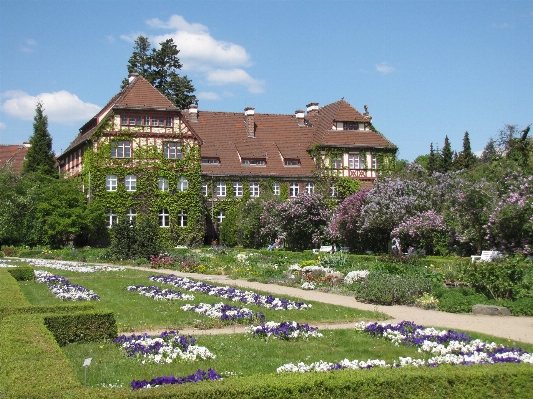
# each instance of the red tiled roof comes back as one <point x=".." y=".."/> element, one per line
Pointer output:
<point x="12" y="156"/>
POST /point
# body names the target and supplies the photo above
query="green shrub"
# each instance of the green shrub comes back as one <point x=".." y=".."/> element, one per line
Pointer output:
<point x="10" y="251"/>
<point x="520" y="307"/>
<point x="458" y="300"/>
<point x="390" y="289"/>
<point x="29" y="309"/>
<point x="82" y="326"/>
<point x="10" y="293"/>
<point x="505" y="278"/>
<point x="23" y="273"/>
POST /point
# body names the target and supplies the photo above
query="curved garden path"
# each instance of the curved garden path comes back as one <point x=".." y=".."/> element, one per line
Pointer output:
<point x="509" y="327"/>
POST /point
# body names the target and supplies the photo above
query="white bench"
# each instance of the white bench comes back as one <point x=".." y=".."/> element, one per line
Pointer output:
<point x="486" y="256"/>
<point x="323" y="248"/>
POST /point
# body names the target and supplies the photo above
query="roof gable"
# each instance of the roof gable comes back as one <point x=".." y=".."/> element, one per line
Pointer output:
<point x="141" y="94"/>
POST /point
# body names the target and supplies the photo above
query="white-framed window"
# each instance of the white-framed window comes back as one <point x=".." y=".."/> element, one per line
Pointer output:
<point x="164" y="218"/>
<point x="163" y="183"/>
<point x="333" y="190"/>
<point x="350" y="125"/>
<point x="254" y="189"/>
<point x="292" y="162"/>
<point x="131" y="214"/>
<point x="310" y="188"/>
<point x="111" y="183"/>
<point x="182" y="218"/>
<point x="237" y="189"/>
<point x="204" y="189"/>
<point x="294" y="189"/>
<point x="336" y="163"/>
<point x="276" y="188"/>
<point x="253" y="162"/>
<point x="130" y="120"/>
<point x="121" y="149"/>
<point x="374" y="161"/>
<point x="221" y="188"/>
<point x="356" y="161"/>
<point x="169" y="121"/>
<point x="210" y="161"/>
<point x="172" y="149"/>
<point x="131" y="182"/>
<point x="221" y="216"/>
<point x="183" y="184"/>
<point x="111" y="218"/>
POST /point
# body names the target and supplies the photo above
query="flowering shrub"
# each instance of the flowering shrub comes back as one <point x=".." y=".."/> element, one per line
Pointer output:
<point x="181" y="263"/>
<point x="166" y="348"/>
<point x="449" y="347"/>
<point x="157" y="293"/>
<point x="344" y="225"/>
<point x="283" y="331"/>
<point x="234" y="294"/>
<point x="224" y="312"/>
<point x="355" y="276"/>
<point x="427" y="301"/>
<point x="425" y="230"/>
<point x="200" y="375"/>
<point x="308" y="285"/>
<point x="62" y="289"/>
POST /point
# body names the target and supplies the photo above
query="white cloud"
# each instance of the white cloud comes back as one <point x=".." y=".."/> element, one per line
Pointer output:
<point x="221" y="61"/>
<point x="60" y="107"/>
<point x="221" y="77"/>
<point x="208" y="95"/>
<point x="28" y="46"/>
<point x="384" y="69"/>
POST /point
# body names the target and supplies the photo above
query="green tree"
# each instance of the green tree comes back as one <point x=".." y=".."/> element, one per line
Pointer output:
<point x="160" y="68"/>
<point x="433" y="160"/>
<point x="13" y="205"/>
<point x="446" y="157"/>
<point x="346" y="186"/>
<point x="466" y="158"/>
<point x="490" y="153"/>
<point x="40" y="157"/>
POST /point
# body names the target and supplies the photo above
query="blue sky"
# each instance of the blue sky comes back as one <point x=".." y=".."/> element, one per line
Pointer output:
<point x="426" y="69"/>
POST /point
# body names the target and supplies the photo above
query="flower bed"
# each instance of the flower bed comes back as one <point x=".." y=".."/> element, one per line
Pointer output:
<point x="234" y="294"/>
<point x="283" y="331"/>
<point x="200" y="375"/>
<point x="224" y="312"/>
<point x="61" y="287"/>
<point x="451" y="347"/>
<point x="166" y="348"/>
<point x="70" y="266"/>
<point x="157" y="293"/>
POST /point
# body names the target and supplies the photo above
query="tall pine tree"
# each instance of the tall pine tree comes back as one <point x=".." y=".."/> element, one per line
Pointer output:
<point x="159" y="67"/>
<point x="432" y="160"/>
<point x="40" y="157"/>
<point x="446" y="157"/>
<point x="466" y="158"/>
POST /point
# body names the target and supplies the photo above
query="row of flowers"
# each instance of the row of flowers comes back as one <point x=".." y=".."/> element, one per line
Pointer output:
<point x="287" y="330"/>
<point x="63" y="289"/>
<point x="157" y="293"/>
<point x="200" y="375"/>
<point x="224" y="312"/>
<point x="232" y="293"/>
<point x="70" y="266"/>
<point x="166" y="348"/>
<point x="450" y="347"/>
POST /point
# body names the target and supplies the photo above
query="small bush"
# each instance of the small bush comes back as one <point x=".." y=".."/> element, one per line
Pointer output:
<point x="458" y="300"/>
<point x="10" y="251"/>
<point x="390" y="289"/>
<point x="520" y="307"/>
<point x="24" y="273"/>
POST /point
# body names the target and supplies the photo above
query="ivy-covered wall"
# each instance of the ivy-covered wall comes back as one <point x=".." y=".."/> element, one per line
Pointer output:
<point x="148" y="163"/>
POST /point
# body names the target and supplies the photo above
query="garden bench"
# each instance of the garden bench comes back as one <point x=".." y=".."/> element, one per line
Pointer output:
<point x="323" y="248"/>
<point x="486" y="256"/>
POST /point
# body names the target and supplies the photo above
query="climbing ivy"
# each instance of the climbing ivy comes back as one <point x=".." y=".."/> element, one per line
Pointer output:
<point x="147" y="163"/>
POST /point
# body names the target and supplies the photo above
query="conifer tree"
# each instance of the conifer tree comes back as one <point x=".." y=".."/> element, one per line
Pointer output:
<point x="159" y="67"/>
<point x="432" y="160"/>
<point x="466" y="158"/>
<point x="446" y="157"/>
<point x="40" y="157"/>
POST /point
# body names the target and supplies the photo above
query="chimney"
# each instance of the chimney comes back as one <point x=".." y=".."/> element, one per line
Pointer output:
<point x="299" y="117"/>
<point x="193" y="113"/>
<point x="367" y="114"/>
<point x="249" y="121"/>
<point x="312" y="109"/>
<point x="132" y="76"/>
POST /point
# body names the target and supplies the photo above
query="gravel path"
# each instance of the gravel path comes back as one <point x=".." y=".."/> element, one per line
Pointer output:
<point x="518" y="329"/>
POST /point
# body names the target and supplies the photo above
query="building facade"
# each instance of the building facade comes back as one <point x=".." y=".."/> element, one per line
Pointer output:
<point x="140" y="155"/>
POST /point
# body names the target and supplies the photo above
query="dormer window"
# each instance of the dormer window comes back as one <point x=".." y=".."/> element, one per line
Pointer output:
<point x="350" y="125"/>
<point x="210" y="161"/>
<point x="291" y="162"/>
<point x="253" y="162"/>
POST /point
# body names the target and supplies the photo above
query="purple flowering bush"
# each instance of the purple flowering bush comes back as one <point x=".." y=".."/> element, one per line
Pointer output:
<point x="426" y="230"/>
<point x="200" y="375"/>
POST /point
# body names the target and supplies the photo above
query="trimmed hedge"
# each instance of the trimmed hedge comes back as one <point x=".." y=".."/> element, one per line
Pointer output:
<point x="67" y="308"/>
<point x="32" y="364"/>
<point x="22" y="273"/>
<point x="10" y="293"/>
<point x="82" y="326"/>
